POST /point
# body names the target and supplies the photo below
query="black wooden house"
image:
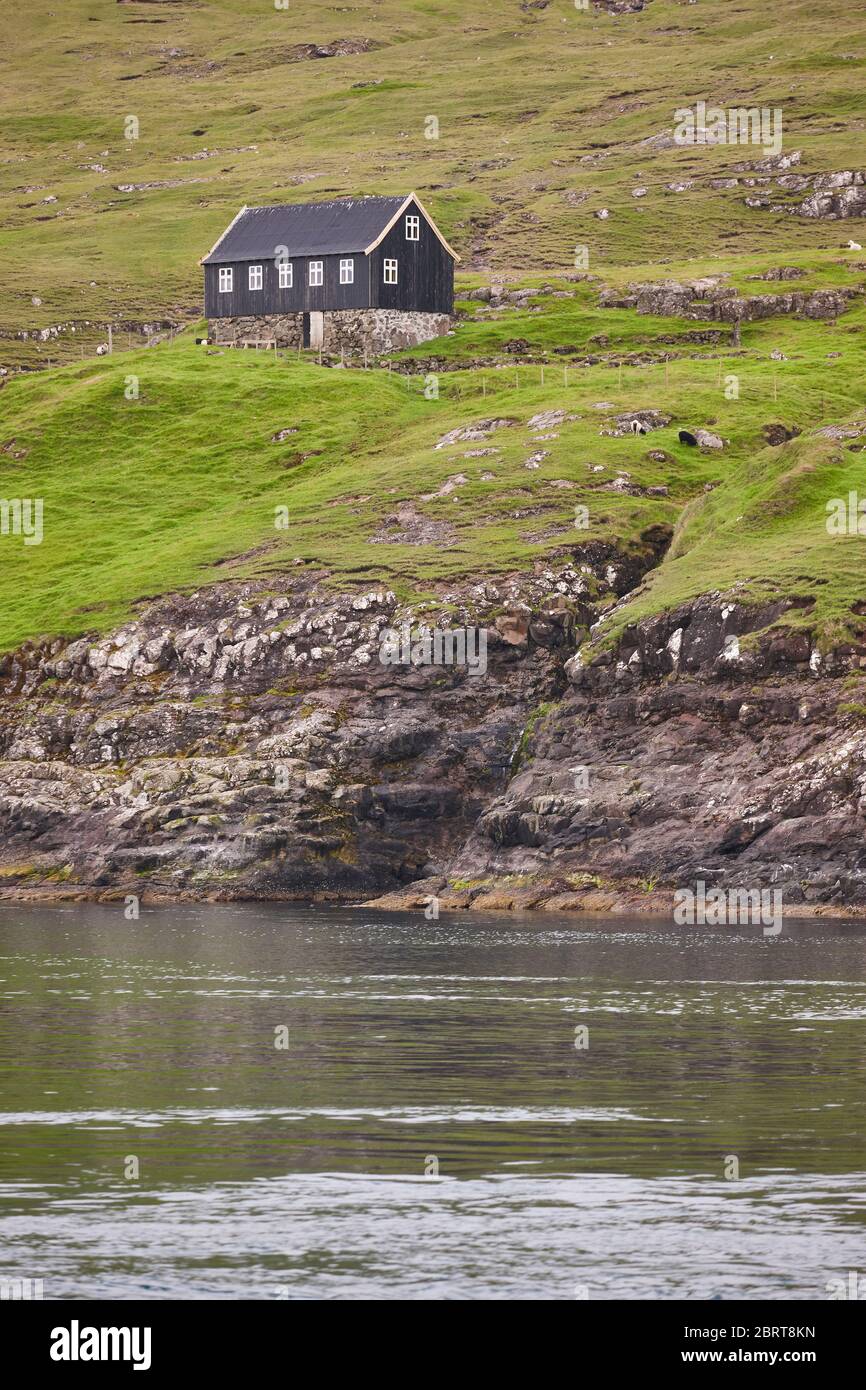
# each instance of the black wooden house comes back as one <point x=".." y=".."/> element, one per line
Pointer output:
<point x="316" y="272"/>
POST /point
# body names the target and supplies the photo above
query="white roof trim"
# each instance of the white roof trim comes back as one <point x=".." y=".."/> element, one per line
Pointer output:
<point x="223" y="236"/>
<point x="413" y="197"/>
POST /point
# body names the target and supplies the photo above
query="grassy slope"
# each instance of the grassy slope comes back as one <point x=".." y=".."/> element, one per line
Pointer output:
<point x="524" y="99"/>
<point x="143" y="496"/>
<point x="765" y="530"/>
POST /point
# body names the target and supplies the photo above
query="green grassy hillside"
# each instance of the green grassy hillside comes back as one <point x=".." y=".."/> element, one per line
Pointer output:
<point x="182" y="485"/>
<point x="544" y="116"/>
<point x="544" y="113"/>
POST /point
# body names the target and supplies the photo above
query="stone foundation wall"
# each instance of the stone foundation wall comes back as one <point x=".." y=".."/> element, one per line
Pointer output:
<point x="352" y="332"/>
<point x="287" y="329"/>
<point x="355" y="331"/>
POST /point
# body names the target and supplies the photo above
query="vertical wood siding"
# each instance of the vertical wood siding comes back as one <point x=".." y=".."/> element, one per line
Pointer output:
<point x="425" y="271"/>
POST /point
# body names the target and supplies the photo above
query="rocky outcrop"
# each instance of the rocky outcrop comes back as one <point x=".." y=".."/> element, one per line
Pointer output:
<point x="636" y="422"/>
<point x="496" y="296"/>
<point x="336" y="48"/>
<point x="836" y="195"/>
<point x="251" y="741"/>
<point x="689" y="751"/>
<point x="833" y="195"/>
<point x="713" y="743"/>
<point x="621" y="6"/>
<point x="780" y="272"/>
<point x="710" y="298"/>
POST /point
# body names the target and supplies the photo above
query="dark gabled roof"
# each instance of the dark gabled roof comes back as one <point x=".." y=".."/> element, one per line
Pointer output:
<point x="312" y="229"/>
<point x="307" y="229"/>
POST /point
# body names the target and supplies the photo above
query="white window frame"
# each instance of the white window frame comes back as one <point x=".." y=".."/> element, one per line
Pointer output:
<point x="226" y="279"/>
<point x="347" y="272"/>
<point x="317" y="273"/>
<point x="413" y="227"/>
<point x="389" y="271"/>
<point x="284" y="270"/>
<point x="255" y="277"/>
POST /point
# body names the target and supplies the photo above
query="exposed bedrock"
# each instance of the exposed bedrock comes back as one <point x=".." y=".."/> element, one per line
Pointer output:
<point x="248" y="739"/>
<point x="691" y="754"/>
<point x="250" y="742"/>
<point x="710" y="298"/>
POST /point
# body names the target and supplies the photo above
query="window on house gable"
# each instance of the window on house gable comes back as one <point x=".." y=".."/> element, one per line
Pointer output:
<point x="347" y="272"/>
<point x="413" y="228"/>
<point x="255" y="277"/>
<point x="226" y="278"/>
<point x="285" y="274"/>
<point x="316" y="275"/>
<point x="390" y="272"/>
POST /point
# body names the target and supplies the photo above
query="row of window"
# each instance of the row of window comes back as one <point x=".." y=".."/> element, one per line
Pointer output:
<point x="255" y="274"/>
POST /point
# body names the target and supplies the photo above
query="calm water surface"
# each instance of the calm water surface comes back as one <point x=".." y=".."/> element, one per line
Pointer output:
<point x="309" y="1170"/>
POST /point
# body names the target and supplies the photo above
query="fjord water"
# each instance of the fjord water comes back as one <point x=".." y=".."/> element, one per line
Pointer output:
<point x="308" y="1170"/>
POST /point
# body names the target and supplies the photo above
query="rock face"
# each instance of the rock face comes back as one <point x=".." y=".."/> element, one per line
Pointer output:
<point x="691" y="753"/>
<point x="709" y="298"/>
<point x="836" y="195"/>
<point x="249" y="741"/>
<point x="831" y="196"/>
<point x="240" y="742"/>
